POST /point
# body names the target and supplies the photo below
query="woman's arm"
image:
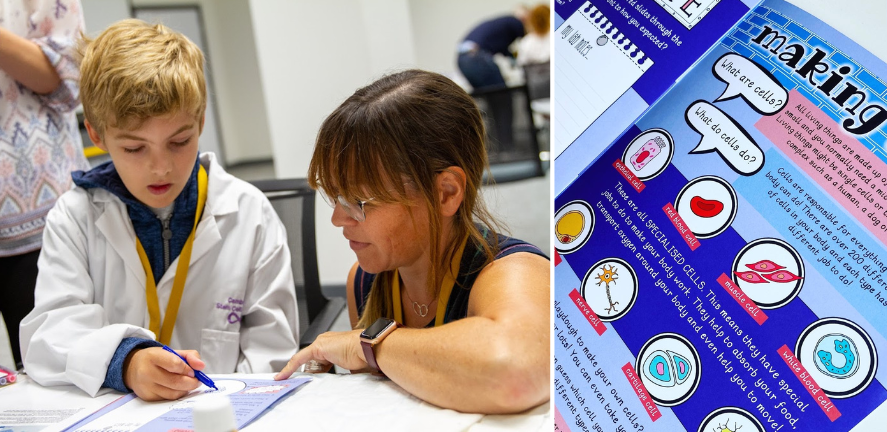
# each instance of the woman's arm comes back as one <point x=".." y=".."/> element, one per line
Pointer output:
<point x="25" y="62"/>
<point x="494" y="361"/>
<point x="44" y="60"/>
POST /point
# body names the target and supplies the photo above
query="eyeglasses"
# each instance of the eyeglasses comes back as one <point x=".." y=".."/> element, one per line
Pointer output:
<point x="354" y="209"/>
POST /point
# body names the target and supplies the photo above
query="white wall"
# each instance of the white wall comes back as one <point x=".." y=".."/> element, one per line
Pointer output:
<point x="238" y="86"/>
<point x="312" y="55"/>
<point x="389" y="35"/>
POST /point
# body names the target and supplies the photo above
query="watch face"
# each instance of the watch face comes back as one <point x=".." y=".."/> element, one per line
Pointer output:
<point x="377" y="328"/>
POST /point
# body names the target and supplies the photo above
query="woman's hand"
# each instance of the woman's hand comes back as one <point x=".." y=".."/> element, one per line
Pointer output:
<point x="339" y="348"/>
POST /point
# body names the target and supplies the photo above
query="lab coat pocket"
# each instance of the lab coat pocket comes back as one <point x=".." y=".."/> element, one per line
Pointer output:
<point x="220" y="350"/>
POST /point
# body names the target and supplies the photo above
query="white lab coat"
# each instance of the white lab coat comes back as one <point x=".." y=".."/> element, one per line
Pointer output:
<point x="90" y="290"/>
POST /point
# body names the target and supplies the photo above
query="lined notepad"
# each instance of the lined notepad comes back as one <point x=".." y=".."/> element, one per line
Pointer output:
<point x="595" y="64"/>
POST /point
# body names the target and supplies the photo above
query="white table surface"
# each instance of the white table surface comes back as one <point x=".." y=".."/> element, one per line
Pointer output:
<point x="328" y="403"/>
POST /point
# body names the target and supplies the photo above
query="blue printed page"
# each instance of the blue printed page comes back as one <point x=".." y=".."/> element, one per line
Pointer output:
<point x="615" y="58"/>
<point x="722" y="266"/>
<point x="249" y="398"/>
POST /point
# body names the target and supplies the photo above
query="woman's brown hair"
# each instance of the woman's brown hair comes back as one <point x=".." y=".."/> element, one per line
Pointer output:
<point x="406" y="128"/>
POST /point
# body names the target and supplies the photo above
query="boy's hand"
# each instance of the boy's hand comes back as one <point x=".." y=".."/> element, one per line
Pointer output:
<point x="155" y="374"/>
<point x="339" y="348"/>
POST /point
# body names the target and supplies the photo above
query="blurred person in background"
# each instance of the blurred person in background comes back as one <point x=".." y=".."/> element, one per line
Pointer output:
<point x="476" y="61"/>
<point x="493" y="36"/>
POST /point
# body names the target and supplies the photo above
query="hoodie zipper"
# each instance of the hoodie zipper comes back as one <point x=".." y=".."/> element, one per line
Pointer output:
<point x="166" y="234"/>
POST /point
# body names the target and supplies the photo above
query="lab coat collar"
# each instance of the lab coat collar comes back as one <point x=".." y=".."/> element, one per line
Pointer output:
<point x="115" y="226"/>
<point x="145" y="222"/>
<point x="220" y="183"/>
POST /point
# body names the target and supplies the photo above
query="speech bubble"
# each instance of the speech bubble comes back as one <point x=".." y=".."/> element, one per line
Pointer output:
<point x="720" y="133"/>
<point x="756" y="85"/>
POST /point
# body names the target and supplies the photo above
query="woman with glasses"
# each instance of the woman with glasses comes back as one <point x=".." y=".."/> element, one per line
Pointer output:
<point x="445" y="306"/>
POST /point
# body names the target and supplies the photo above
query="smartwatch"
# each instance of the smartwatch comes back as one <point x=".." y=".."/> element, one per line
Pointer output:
<point x="372" y="336"/>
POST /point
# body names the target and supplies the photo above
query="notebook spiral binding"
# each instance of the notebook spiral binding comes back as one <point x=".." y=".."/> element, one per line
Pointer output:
<point x="616" y="37"/>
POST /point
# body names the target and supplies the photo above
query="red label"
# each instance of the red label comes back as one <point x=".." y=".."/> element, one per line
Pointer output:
<point x="586" y="311"/>
<point x="681" y="226"/>
<point x="747" y="304"/>
<point x="825" y="404"/>
<point x="641" y="392"/>
<point x="559" y="423"/>
<point x="629" y="176"/>
<point x="557" y="258"/>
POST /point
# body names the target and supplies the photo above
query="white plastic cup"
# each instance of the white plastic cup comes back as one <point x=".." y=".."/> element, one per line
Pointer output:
<point x="213" y="413"/>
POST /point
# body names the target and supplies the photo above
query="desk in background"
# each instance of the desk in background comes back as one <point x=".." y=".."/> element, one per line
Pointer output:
<point x="329" y="402"/>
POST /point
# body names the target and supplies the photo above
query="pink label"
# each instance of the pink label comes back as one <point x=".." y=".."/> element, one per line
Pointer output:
<point x="557" y="258"/>
<point x="559" y="423"/>
<point x="641" y="392"/>
<point x="840" y="164"/>
<point x="629" y="176"/>
<point x="747" y="304"/>
<point x="824" y="403"/>
<point x="681" y="226"/>
<point x="586" y="311"/>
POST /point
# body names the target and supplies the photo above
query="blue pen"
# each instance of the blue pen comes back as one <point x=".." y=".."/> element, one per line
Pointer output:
<point x="197" y="374"/>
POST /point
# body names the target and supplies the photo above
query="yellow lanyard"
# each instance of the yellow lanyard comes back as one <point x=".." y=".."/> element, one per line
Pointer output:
<point x="178" y="286"/>
<point x="446" y="288"/>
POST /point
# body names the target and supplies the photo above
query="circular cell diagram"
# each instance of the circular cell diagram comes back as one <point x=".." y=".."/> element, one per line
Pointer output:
<point x="769" y="271"/>
<point x="573" y="224"/>
<point x="730" y="419"/>
<point x="610" y="288"/>
<point x="669" y="367"/>
<point x="707" y="205"/>
<point x="839" y="355"/>
<point x="649" y="153"/>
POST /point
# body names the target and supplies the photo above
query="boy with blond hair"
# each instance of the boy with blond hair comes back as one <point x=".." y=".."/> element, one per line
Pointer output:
<point x="159" y="246"/>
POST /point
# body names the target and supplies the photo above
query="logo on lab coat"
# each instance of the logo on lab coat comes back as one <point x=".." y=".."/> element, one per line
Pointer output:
<point x="234" y="306"/>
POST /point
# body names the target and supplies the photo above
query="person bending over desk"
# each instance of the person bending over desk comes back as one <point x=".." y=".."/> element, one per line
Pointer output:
<point x="157" y="243"/>
<point x="455" y="313"/>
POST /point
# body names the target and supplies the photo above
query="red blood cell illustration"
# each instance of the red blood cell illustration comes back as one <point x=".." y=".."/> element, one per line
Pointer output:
<point x="765" y="266"/>
<point x="750" y="277"/>
<point x="705" y="208"/>
<point x="782" y="276"/>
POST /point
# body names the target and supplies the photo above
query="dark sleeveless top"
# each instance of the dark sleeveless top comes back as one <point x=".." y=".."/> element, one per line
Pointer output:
<point x="469" y="267"/>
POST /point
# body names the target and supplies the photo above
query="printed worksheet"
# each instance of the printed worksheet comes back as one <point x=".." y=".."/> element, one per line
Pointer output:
<point x="615" y="58"/>
<point x="249" y="398"/>
<point x="722" y="266"/>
